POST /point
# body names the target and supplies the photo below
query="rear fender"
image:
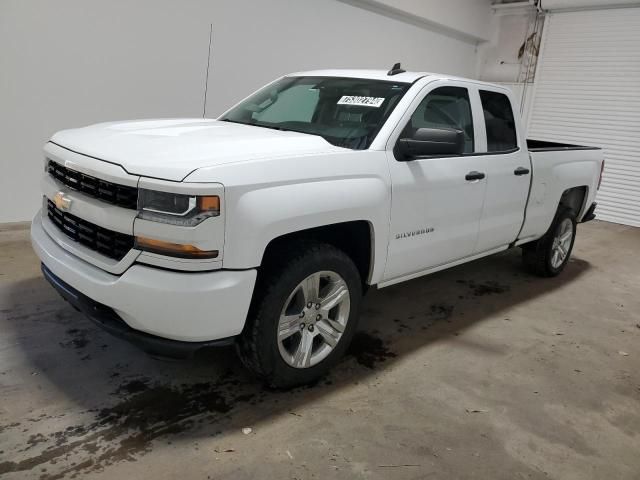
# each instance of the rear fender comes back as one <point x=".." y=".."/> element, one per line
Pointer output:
<point x="549" y="184"/>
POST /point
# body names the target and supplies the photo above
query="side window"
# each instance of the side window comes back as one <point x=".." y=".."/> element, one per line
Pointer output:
<point x="444" y="107"/>
<point x="498" y="117"/>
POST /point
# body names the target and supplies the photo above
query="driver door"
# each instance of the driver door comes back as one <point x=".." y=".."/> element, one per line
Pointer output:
<point x="436" y="200"/>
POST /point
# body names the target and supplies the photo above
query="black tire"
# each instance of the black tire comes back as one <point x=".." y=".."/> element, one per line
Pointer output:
<point x="538" y="256"/>
<point x="258" y="345"/>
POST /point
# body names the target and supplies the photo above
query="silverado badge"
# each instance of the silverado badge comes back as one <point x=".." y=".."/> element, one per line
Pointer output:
<point x="62" y="202"/>
<point x="422" y="231"/>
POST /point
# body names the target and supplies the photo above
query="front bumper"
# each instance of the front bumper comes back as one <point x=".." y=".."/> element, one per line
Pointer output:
<point x="107" y="319"/>
<point x="181" y="306"/>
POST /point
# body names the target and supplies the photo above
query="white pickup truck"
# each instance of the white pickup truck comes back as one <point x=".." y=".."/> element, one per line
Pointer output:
<point x="265" y="226"/>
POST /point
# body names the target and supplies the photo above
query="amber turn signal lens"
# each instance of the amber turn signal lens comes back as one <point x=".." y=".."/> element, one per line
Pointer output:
<point x="209" y="204"/>
<point x="173" y="249"/>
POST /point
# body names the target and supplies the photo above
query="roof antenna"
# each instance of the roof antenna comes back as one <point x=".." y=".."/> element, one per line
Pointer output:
<point x="206" y="80"/>
<point x="396" y="69"/>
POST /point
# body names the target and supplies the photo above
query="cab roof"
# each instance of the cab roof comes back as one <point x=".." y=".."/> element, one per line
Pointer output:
<point x="405" y="77"/>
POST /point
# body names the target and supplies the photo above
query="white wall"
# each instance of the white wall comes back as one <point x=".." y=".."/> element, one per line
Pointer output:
<point x="70" y="63"/>
<point x="471" y="18"/>
<point x="498" y="60"/>
<point x="331" y="35"/>
<point x="499" y="56"/>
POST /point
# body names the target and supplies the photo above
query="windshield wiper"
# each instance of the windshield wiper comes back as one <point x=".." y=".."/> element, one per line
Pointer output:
<point x="257" y="125"/>
<point x="283" y="129"/>
<point x="272" y="127"/>
<point x="232" y="121"/>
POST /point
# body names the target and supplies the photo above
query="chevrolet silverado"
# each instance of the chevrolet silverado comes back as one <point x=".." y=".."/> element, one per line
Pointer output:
<point x="265" y="226"/>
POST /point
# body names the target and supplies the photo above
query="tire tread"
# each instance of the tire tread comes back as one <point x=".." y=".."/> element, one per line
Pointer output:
<point x="535" y="255"/>
<point x="282" y="259"/>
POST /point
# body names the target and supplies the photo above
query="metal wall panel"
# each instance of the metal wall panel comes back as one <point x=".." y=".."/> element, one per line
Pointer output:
<point x="587" y="91"/>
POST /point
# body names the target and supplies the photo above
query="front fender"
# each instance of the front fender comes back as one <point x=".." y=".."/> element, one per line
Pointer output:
<point x="258" y="216"/>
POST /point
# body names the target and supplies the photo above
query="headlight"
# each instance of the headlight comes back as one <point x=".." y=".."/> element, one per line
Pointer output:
<point x="175" y="208"/>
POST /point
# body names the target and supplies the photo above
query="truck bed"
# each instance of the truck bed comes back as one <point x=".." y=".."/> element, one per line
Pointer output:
<point x="558" y="167"/>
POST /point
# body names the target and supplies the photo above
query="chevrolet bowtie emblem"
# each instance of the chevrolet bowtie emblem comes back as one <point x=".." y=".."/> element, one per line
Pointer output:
<point x="62" y="202"/>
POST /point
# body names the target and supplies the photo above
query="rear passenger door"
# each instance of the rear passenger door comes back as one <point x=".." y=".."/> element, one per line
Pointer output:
<point x="508" y="171"/>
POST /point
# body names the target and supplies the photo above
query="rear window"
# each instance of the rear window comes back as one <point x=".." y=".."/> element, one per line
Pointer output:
<point x="498" y="118"/>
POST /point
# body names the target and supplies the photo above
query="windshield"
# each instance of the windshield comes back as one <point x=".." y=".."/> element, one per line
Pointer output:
<point x="347" y="112"/>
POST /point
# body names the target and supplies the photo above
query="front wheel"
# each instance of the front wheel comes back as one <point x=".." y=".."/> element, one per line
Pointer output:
<point x="548" y="256"/>
<point x="303" y="317"/>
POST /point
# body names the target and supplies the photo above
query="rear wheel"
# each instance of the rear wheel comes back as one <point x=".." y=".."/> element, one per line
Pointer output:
<point x="303" y="317"/>
<point x="548" y="256"/>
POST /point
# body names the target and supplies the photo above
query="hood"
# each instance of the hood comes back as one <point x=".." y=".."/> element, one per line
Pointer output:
<point x="171" y="149"/>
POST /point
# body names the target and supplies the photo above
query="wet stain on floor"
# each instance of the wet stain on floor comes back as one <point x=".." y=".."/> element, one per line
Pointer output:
<point x="140" y="409"/>
<point x="369" y="350"/>
<point x="146" y="409"/>
<point x="440" y="311"/>
<point x="126" y="430"/>
<point x="79" y="338"/>
<point x="132" y="387"/>
<point x="485" y="288"/>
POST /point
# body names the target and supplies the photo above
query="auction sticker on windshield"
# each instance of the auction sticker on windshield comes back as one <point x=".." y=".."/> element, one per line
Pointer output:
<point x="361" y="101"/>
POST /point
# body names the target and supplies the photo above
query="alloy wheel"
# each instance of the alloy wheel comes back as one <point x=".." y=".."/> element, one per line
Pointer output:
<point x="313" y="319"/>
<point x="561" y="243"/>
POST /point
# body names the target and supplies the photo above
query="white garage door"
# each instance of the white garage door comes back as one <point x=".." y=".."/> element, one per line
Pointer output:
<point x="587" y="91"/>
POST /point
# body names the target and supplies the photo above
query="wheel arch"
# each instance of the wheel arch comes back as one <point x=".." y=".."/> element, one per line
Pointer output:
<point x="355" y="238"/>
<point x="575" y="198"/>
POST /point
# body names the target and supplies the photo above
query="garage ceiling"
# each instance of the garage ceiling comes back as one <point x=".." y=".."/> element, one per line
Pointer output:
<point x="576" y="4"/>
<point x="551" y="5"/>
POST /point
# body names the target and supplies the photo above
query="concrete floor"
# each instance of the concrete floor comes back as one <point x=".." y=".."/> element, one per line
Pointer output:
<point x="480" y="372"/>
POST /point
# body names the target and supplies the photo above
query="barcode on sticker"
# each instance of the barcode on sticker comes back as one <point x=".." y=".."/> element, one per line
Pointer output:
<point x="361" y="101"/>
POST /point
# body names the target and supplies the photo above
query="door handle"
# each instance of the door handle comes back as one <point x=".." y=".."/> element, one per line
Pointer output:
<point x="521" y="171"/>
<point x="471" y="176"/>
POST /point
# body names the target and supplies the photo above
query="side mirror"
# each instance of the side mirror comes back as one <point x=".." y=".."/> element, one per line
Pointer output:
<point x="432" y="141"/>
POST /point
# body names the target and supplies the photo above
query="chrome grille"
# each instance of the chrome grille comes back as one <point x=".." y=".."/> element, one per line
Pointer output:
<point x="121" y="195"/>
<point x="107" y="242"/>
